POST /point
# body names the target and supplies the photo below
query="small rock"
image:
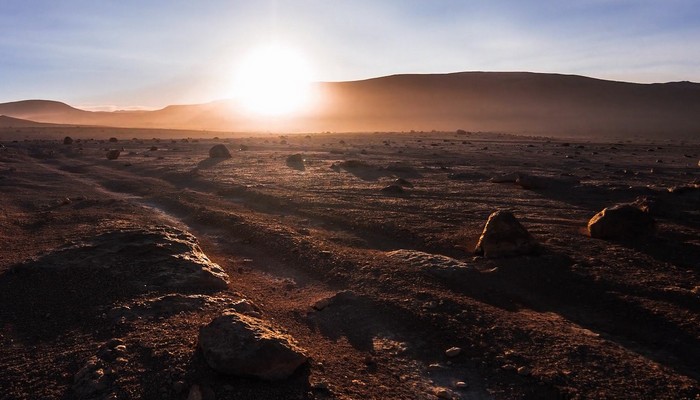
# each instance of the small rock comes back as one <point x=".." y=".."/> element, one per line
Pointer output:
<point x="394" y="189"/>
<point x="443" y="393"/>
<point x="524" y="371"/>
<point x="67" y="140"/>
<point x="508" y="367"/>
<point x="402" y="182"/>
<point x="461" y="384"/>
<point x="219" y="151"/>
<point x="295" y="159"/>
<point x="113" y="154"/>
<point x="247" y="307"/>
<point x="453" y="351"/>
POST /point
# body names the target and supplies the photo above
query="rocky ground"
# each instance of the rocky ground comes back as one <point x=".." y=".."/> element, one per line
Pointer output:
<point x="347" y="262"/>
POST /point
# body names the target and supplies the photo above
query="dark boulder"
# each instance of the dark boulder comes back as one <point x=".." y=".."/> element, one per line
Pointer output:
<point x="67" y="140"/>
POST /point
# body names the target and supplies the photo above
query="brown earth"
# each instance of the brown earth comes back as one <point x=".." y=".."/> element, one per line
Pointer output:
<point x="584" y="318"/>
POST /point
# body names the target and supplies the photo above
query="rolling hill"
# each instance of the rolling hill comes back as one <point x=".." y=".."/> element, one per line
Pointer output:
<point x="514" y="102"/>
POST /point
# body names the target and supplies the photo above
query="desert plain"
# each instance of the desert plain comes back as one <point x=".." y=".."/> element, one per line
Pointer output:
<point x="359" y="248"/>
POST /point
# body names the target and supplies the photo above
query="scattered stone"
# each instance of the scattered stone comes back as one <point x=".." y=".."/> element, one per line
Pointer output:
<point x="240" y="345"/>
<point x="91" y="379"/>
<point x="68" y="140"/>
<point x="524" y="371"/>
<point x="295" y="159"/>
<point x="693" y="188"/>
<point x="623" y="221"/>
<point x="243" y="147"/>
<point x="402" y="182"/>
<point x="504" y="236"/>
<point x="247" y="307"/>
<point x="461" y="385"/>
<point x="113" y="154"/>
<point x="443" y="393"/>
<point x="453" y="351"/>
<point x="153" y="148"/>
<point x="393" y="189"/>
<point x="113" y="140"/>
<point x="219" y="151"/>
<point x="508" y="367"/>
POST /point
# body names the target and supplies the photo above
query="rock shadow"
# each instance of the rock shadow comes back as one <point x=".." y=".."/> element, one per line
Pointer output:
<point x="548" y="284"/>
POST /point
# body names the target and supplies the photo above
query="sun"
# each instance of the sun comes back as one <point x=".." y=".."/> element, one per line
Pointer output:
<point x="273" y="80"/>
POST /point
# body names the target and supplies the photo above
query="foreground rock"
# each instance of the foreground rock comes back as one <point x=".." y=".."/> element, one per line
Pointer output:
<point x="504" y="236"/>
<point x="621" y="222"/>
<point x="219" y="151"/>
<point x="113" y="154"/>
<point x="242" y="345"/>
<point x="141" y="260"/>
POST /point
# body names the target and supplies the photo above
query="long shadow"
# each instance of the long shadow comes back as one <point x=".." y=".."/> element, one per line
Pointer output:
<point x="208" y="163"/>
<point x="369" y="172"/>
<point x="547" y="284"/>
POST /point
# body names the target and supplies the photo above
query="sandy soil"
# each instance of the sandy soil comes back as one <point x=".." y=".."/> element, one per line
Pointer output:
<point x="586" y="318"/>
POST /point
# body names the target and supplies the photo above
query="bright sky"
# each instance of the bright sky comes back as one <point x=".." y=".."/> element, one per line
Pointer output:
<point x="154" y="53"/>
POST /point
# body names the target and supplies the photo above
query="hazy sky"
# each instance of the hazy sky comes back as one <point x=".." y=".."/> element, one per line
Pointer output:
<point x="154" y="53"/>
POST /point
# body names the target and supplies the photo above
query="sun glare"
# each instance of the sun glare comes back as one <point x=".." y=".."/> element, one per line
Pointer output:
<point x="274" y="80"/>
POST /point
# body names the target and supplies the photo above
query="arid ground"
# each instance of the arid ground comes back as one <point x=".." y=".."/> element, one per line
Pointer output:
<point x="374" y="285"/>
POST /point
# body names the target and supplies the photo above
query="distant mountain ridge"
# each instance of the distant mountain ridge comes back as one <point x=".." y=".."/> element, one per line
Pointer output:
<point x="514" y="102"/>
<point x="10" y="122"/>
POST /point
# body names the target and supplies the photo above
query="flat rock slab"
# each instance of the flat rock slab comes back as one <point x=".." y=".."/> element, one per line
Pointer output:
<point x="243" y="345"/>
<point x="144" y="259"/>
<point x="432" y="264"/>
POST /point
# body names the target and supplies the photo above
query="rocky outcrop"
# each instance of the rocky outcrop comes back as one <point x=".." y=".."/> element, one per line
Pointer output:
<point x="621" y="222"/>
<point x="504" y="236"/>
<point x="243" y="345"/>
<point x="142" y="260"/>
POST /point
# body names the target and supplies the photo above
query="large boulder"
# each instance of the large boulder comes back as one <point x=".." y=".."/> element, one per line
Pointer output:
<point x="504" y="236"/>
<point x="243" y="345"/>
<point x="621" y="222"/>
<point x="219" y="151"/>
